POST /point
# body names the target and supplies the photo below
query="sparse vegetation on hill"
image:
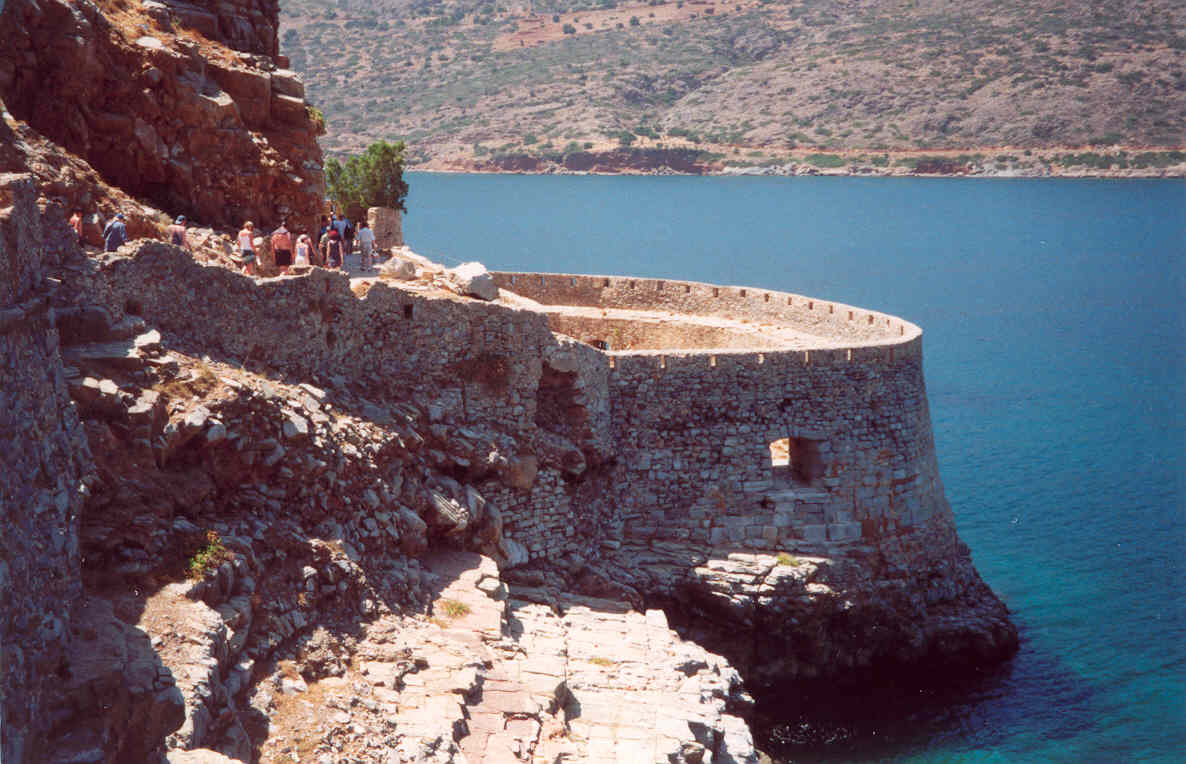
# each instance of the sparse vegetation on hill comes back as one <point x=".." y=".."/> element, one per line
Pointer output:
<point x="473" y="79"/>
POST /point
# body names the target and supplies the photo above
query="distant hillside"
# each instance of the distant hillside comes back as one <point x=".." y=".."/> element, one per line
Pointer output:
<point x="746" y="82"/>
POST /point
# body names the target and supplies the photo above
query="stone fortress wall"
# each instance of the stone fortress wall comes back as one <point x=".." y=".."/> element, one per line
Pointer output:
<point x="678" y="437"/>
<point x="42" y="465"/>
<point x="693" y="422"/>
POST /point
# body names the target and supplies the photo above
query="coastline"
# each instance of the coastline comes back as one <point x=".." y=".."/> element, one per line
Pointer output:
<point x="787" y="171"/>
<point x="1001" y="162"/>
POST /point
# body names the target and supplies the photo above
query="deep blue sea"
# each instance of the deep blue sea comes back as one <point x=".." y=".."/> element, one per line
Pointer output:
<point x="1054" y="314"/>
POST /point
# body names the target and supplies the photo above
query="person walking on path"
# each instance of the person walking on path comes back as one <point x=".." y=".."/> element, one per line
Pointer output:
<point x="347" y="239"/>
<point x="366" y="244"/>
<point x="304" y="250"/>
<point x="332" y="250"/>
<point x="282" y="247"/>
<point x="247" y="248"/>
<point x="76" y="223"/>
<point x="115" y="234"/>
<point x="177" y="234"/>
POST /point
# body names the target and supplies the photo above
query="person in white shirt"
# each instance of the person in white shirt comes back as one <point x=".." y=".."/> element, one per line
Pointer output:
<point x="366" y="242"/>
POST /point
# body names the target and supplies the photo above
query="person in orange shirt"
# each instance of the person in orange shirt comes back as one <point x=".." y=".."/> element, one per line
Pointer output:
<point x="247" y="248"/>
<point x="76" y="223"/>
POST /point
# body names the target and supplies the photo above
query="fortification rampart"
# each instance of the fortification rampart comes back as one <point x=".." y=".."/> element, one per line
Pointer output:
<point x="497" y="371"/>
<point x="795" y="422"/>
<point x="823" y="324"/>
<point x="682" y="436"/>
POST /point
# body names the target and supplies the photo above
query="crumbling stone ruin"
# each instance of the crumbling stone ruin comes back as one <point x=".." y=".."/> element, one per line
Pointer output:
<point x="323" y="518"/>
<point x="320" y="451"/>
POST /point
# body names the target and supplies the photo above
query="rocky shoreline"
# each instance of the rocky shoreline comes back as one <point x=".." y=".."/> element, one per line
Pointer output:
<point x="946" y="164"/>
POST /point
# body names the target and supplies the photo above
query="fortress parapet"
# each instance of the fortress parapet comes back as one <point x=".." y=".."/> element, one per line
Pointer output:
<point x="711" y="415"/>
<point x="752" y="418"/>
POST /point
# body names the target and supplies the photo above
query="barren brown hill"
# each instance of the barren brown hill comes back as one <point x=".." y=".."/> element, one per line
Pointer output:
<point x="751" y="82"/>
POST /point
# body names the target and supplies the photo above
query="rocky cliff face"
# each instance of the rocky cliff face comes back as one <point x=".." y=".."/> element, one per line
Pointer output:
<point x="152" y="96"/>
<point x="41" y="490"/>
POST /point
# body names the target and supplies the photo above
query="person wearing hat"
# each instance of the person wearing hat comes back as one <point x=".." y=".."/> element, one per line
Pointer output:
<point x="247" y="248"/>
<point x="115" y="233"/>
<point x="177" y="233"/>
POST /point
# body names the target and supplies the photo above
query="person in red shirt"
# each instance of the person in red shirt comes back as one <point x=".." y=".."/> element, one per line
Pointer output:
<point x="76" y="223"/>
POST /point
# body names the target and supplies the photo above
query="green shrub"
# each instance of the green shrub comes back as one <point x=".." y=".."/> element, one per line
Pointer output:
<point x="317" y="118"/>
<point x="208" y="557"/>
<point x="374" y="179"/>
<point x="453" y="608"/>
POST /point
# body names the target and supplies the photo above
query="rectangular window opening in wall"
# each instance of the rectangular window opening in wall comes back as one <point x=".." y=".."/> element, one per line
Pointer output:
<point x="662" y="362"/>
<point x="790" y="301"/>
<point x="613" y="364"/>
<point x="766" y="297"/>
<point x="658" y="286"/>
<point x="716" y="292"/>
<point x="542" y="281"/>
<point x="850" y="315"/>
<point x="797" y="462"/>
<point x="687" y="288"/>
<point x="811" y="304"/>
<point x="761" y="358"/>
<point x="572" y="282"/>
<point x="831" y="308"/>
<point x="712" y="361"/>
<point x="407" y="311"/>
<point x="513" y="277"/>
<point x="631" y="284"/>
<point x="848" y="356"/>
<point x="743" y="293"/>
<point x="870" y="318"/>
<point x="606" y="283"/>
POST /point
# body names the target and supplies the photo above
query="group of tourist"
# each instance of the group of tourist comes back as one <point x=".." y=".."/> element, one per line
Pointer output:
<point x="335" y="240"/>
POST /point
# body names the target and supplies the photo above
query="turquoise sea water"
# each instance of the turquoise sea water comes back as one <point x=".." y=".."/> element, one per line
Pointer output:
<point x="1054" y="314"/>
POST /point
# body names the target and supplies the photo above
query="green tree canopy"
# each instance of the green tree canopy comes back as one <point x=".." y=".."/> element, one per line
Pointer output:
<point x="374" y="179"/>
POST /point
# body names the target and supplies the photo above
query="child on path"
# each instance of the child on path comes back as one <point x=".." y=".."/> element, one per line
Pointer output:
<point x="304" y="249"/>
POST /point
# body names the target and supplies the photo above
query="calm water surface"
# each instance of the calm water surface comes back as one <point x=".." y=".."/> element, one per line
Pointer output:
<point x="1055" y="321"/>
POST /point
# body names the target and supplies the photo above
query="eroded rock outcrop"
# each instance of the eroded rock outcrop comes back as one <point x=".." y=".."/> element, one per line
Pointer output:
<point x="167" y="115"/>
